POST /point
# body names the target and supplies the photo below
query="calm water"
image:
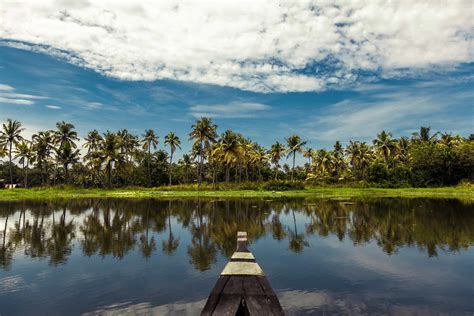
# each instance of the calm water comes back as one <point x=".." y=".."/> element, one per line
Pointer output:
<point x="387" y="256"/>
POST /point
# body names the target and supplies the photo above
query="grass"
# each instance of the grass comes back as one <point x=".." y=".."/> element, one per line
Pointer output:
<point x="464" y="193"/>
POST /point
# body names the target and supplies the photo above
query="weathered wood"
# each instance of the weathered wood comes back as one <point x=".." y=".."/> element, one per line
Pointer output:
<point x="242" y="288"/>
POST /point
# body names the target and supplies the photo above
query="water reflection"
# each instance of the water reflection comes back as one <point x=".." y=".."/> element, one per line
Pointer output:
<point x="115" y="227"/>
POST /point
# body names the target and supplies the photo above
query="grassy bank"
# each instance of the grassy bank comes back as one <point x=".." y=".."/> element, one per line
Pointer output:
<point x="465" y="193"/>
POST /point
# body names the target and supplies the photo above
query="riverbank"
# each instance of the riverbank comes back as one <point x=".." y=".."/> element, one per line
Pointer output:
<point x="465" y="193"/>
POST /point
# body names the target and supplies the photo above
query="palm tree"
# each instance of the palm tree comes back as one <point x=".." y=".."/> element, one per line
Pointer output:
<point x="92" y="141"/>
<point x="10" y="135"/>
<point x="109" y="153"/>
<point x="149" y="140"/>
<point x="43" y="143"/>
<point x="65" y="134"/>
<point x="423" y="136"/>
<point x="295" y="144"/>
<point x="66" y="155"/>
<point x="259" y="158"/>
<point x="228" y="150"/>
<point x="203" y="133"/>
<point x="276" y="152"/>
<point x="173" y="141"/>
<point x="308" y="153"/>
<point x="384" y="146"/>
<point x="24" y="152"/>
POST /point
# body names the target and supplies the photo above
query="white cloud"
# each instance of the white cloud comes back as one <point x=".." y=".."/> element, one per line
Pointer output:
<point x="53" y="107"/>
<point x="16" y="101"/>
<point x="4" y="87"/>
<point x="261" y="46"/>
<point x="21" y="95"/>
<point x="231" y="110"/>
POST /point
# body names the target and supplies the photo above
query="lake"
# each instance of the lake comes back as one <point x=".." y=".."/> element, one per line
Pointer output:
<point x="374" y="256"/>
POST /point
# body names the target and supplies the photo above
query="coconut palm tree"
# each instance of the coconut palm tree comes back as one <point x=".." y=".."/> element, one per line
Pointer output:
<point x="92" y="141"/>
<point x="203" y="133"/>
<point x="259" y="158"/>
<point x="109" y="154"/>
<point x="174" y="142"/>
<point x="66" y="156"/>
<point x="276" y="152"/>
<point x="229" y="151"/>
<point x="43" y="144"/>
<point x="65" y="133"/>
<point x="424" y="135"/>
<point x="308" y="153"/>
<point x="10" y="135"/>
<point x="149" y="140"/>
<point x="295" y="145"/>
<point x="384" y="146"/>
<point x="25" y="153"/>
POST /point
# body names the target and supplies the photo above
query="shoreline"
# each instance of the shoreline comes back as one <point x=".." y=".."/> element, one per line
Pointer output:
<point x="463" y="193"/>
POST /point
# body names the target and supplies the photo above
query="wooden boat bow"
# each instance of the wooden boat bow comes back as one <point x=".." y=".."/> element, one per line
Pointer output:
<point x="242" y="288"/>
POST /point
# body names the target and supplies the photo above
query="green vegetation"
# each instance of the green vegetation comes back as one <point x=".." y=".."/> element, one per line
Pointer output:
<point x="193" y="191"/>
<point x="121" y="159"/>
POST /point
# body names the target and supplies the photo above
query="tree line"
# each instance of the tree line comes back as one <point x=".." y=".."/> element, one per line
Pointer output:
<point x="114" y="159"/>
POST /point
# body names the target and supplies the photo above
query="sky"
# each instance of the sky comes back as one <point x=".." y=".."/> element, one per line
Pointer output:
<point x="326" y="70"/>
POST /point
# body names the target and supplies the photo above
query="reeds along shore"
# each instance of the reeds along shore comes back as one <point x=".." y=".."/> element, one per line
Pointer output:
<point x="121" y="159"/>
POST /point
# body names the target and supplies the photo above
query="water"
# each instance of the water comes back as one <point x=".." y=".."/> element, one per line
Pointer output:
<point x="385" y="256"/>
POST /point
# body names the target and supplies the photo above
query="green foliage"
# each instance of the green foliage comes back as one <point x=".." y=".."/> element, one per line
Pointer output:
<point x="231" y="161"/>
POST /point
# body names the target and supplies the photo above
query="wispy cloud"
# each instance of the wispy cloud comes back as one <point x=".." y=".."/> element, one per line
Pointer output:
<point x="294" y="46"/>
<point x="230" y="110"/>
<point x="22" y="95"/>
<point x="53" y="107"/>
<point x="4" y="87"/>
<point x="400" y="109"/>
<point x="16" y="101"/>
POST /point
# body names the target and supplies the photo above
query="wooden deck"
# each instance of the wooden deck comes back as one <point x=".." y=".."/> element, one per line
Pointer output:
<point x="242" y="288"/>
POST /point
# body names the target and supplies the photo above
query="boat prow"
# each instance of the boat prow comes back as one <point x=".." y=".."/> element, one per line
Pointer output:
<point x="242" y="288"/>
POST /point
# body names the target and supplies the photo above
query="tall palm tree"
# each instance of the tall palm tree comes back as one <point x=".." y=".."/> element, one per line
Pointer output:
<point x="24" y="152"/>
<point x="259" y="158"/>
<point x="203" y="133"/>
<point x="92" y="141"/>
<point x="229" y="151"/>
<point x="65" y="133"/>
<point x="10" y="135"/>
<point x="308" y="153"/>
<point x="384" y="146"/>
<point x="66" y="156"/>
<point x="295" y="145"/>
<point x="276" y="152"/>
<point x="174" y="142"/>
<point x="43" y="144"/>
<point x="149" y="140"/>
<point x="109" y="153"/>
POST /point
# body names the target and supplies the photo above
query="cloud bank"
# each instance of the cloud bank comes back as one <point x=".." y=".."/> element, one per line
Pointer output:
<point x="261" y="46"/>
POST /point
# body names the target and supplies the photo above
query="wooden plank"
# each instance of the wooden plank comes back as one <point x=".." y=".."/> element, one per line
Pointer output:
<point x="228" y="305"/>
<point x="242" y="268"/>
<point x="242" y="255"/>
<point x="252" y="286"/>
<point x="214" y="297"/>
<point x="235" y="285"/>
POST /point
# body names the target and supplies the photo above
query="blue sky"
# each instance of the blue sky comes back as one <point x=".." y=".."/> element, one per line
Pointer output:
<point x="300" y="82"/>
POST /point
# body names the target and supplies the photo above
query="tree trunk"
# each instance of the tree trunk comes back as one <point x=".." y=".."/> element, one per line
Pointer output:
<point x="26" y="173"/>
<point x="293" y="169"/>
<point x="149" y="157"/>
<point x="66" y="174"/>
<point x="227" y="173"/>
<point x="10" y="159"/>
<point x="200" y="163"/>
<point x="171" y="164"/>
